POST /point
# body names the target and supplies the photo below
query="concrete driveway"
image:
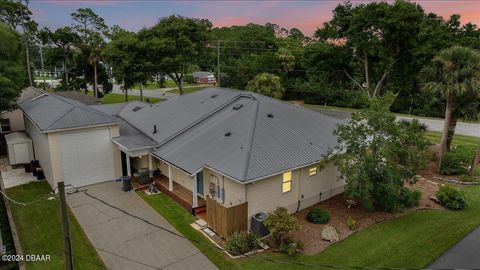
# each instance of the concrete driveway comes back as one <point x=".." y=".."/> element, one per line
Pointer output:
<point x="464" y="255"/>
<point x="143" y="246"/>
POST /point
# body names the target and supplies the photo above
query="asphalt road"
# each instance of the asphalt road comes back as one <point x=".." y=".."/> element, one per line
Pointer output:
<point x="462" y="128"/>
<point x="464" y="255"/>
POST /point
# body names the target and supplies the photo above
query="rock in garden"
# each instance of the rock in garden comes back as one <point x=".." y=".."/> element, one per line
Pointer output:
<point x="351" y="203"/>
<point x="330" y="234"/>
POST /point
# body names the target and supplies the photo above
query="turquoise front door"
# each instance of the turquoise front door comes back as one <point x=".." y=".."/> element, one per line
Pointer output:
<point x="200" y="183"/>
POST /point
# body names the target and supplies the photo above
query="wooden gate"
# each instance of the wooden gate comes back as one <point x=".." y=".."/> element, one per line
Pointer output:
<point x="224" y="221"/>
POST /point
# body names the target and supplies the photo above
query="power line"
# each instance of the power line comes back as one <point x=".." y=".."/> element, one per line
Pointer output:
<point x="248" y="256"/>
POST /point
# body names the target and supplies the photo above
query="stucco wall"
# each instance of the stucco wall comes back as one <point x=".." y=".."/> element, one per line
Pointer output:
<point x="41" y="149"/>
<point x="16" y="120"/>
<point x="234" y="191"/>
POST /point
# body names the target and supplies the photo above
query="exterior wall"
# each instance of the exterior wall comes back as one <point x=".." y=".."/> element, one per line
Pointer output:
<point x="178" y="176"/>
<point x="139" y="162"/>
<point x="16" y="120"/>
<point x="117" y="156"/>
<point x="266" y="195"/>
<point x="234" y="191"/>
<point x="41" y="149"/>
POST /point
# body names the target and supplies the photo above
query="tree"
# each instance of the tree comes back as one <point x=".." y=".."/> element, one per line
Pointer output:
<point x="65" y="39"/>
<point x="125" y="55"/>
<point x="454" y="73"/>
<point x="286" y="58"/>
<point x="175" y="43"/>
<point x="266" y="84"/>
<point x="12" y="70"/>
<point x="377" y="155"/>
<point x="380" y="37"/>
<point x="92" y="30"/>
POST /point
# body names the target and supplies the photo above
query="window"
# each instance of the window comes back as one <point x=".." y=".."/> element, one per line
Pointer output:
<point x="5" y="125"/>
<point x="312" y="171"/>
<point x="287" y="182"/>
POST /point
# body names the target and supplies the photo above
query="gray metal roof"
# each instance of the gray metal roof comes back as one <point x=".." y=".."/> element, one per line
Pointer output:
<point x="110" y="109"/>
<point x="53" y="112"/>
<point x="29" y="93"/>
<point x="191" y="132"/>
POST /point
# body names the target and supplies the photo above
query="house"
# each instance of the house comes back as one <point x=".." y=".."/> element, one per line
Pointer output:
<point x="204" y="77"/>
<point x="230" y="153"/>
<point x="12" y="121"/>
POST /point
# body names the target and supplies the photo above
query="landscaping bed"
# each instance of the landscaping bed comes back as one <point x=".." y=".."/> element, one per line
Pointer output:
<point x="310" y="234"/>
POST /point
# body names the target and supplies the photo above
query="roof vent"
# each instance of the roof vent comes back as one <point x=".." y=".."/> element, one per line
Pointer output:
<point x="270" y="115"/>
<point x="154" y="129"/>
<point x="237" y="107"/>
<point x="214" y="96"/>
<point x="228" y="133"/>
<point x="136" y="109"/>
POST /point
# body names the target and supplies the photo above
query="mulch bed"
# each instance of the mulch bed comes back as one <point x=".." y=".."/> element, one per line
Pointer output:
<point x="310" y="234"/>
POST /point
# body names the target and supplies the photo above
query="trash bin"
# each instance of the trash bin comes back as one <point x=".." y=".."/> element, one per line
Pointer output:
<point x="127" y="183"/>
<point x="39" y="173"/>
<point x="144" y="176"/>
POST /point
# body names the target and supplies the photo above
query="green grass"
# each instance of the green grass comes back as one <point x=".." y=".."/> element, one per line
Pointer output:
<point x="119" y="98"/>
<point x="188" y="90"/>
<point x="457" y="138"/>
<point x="413" y="240"/>
<point x="155" y="86"/>
<point x="40" y="232"/>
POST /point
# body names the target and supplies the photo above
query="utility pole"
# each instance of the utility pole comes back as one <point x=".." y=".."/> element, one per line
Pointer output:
<point x="43" y="67"/>
<point x="67" y="245"/>
<point x="218" y="63"/>
<point x="27" y="53"/>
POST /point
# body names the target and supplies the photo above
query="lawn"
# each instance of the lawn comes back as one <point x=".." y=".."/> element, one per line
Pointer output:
<point x="40" y="231"/>
<point x="119" y="98"/>
<point x="457" y="138"/>
<point x="188" y="90"/>
<point x="411" y="241"/>
<point x="154" y="85"/>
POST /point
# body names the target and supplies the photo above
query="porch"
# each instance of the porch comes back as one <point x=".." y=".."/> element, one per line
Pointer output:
<point x="181" y="195"/>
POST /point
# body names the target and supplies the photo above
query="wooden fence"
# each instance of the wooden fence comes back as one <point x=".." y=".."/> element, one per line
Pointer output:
<point x="224" y="221"/>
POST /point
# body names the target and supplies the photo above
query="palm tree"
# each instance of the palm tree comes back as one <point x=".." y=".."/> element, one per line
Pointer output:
<point x="454" y="73"/>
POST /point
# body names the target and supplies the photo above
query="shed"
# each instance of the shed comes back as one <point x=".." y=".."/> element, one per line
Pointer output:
<point x="20" y="149"/>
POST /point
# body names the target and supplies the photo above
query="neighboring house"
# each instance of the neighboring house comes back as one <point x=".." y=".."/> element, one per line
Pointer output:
<point x="76" y="95"/>
<point x="12" y="121"/>
<point x="230" y="153"/>
<point x="204" y="77"/>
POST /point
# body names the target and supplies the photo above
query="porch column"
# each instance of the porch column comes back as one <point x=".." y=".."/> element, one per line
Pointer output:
<point x="150" y="165"/>
<point x="170" y="180"/>
<point x="194" y="192"/>
<point x="127" y="157"/>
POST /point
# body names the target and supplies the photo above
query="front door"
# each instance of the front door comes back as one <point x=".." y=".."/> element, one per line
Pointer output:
<point x="200" y="183"/>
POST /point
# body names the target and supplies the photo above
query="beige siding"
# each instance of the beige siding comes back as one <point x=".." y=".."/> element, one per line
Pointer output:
<point x="117" y="156"/>
<point x="41" y="149"/>
<point x="266" y="195"/>
<point x="139" y="162"/>
<point x="181" y="178"/>
<point x="234" y="191"/>
<point x="16" y="120"/>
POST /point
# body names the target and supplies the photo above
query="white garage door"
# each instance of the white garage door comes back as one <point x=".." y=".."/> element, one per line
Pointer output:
<point x="87" y="157"/>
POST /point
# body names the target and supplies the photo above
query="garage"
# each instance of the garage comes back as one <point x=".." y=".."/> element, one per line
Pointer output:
<point x="86" y="156"/>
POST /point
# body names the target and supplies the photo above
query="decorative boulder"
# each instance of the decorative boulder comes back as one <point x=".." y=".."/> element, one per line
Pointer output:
<point x="330" y="234"/>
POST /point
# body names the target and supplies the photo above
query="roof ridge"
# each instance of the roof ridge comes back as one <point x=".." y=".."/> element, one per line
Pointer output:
<point x="58" y="119"/>
<point x="252" y="136"/>
<point x="201" y="119"/>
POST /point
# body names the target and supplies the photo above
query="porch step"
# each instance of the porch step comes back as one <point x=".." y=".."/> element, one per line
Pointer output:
<point x="200" y="209"/>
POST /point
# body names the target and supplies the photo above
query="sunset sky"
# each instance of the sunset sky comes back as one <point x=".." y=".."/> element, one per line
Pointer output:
<point x="305" y="15"/>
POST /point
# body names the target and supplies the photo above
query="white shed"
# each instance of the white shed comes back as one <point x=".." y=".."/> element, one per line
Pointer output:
<point x="20" y="149"/>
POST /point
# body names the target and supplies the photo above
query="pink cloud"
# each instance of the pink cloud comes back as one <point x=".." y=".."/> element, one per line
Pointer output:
<point x="83" y="2"/>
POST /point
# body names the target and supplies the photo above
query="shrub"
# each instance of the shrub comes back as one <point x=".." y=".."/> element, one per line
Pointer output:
<point x="451" y="197"/>
<point x="470" y="178"/>
<point x="318" y="216"/>
<point x="279" y="224"/>
<point x="242" y="242"/>
<point x="352" y="223"/>
<point x="410" y="197"/>
<point x="457" y="160"/>
<point x="290" y="247"/>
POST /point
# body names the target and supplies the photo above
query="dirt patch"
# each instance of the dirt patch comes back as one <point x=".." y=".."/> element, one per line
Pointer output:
<point x="310" y="234"/>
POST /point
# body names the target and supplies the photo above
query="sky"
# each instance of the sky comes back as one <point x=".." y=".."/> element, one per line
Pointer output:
<point x="305" y="15"/>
